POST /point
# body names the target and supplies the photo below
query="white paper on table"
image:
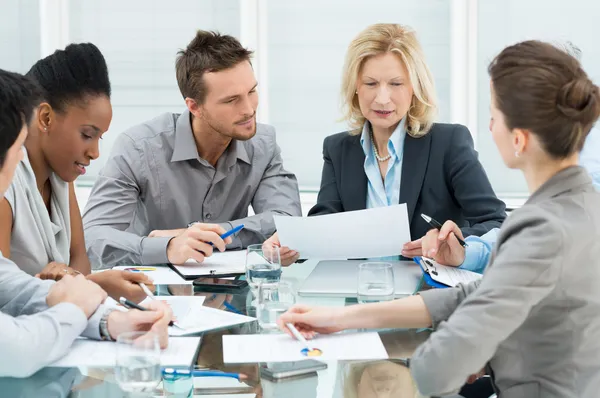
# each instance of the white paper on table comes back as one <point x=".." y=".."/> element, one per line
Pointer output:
<point x="231" y="262"/>
<point x="92" y="353"/>
<point x="161" y="274"/>
<point x="377" y="232"/>
<point x="283" y="348"/>
<point x="196" y="318"/>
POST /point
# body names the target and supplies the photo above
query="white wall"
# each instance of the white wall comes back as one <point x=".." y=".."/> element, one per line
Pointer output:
<point x="300" y="47"/>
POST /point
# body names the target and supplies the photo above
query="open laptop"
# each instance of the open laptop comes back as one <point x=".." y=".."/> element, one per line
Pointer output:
<point x="339" y="278"/>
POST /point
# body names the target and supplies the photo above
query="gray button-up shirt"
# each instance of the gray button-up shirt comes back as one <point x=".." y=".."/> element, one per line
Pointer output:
<point x="155" y="179"/>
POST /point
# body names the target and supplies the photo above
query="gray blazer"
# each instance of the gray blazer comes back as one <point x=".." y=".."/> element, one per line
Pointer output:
<point x="31" y="334"/>
<point x="534" y="318"/>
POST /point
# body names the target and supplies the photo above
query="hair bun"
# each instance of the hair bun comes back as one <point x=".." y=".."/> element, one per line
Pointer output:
<point x="579" y="100"/>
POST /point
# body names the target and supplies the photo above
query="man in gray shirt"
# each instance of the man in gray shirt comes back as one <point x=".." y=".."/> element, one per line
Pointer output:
<point x="40" y="319"/>
<point x="205" y="165"/>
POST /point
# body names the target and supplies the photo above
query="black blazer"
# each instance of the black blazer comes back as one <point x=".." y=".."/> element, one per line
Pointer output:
<point x="441" y="177"/>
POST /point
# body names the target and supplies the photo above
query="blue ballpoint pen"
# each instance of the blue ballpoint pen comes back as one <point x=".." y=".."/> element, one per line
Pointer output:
<point x="230" y="232"/>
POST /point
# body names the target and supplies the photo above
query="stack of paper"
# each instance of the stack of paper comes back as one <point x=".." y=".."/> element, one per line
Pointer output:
<point x="283" y="348"/>
<point x="160" y="274"/>
<point x="91" y="353"/>
<point x="377" y="232"/>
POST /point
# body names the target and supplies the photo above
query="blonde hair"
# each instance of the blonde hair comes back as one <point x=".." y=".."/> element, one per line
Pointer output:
<point x="379" y="39"/>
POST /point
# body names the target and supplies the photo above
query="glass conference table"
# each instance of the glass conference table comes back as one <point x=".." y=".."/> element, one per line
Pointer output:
<point x="388" y="378"/>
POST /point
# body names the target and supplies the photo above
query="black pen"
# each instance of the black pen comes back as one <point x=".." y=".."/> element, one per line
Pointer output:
<point x="435" y="224"/>
<point x="130" y="304"/>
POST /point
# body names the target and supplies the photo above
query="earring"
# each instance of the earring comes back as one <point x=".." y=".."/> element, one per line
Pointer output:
<point x="45" y="128"/>
<point x="517" y="154"/>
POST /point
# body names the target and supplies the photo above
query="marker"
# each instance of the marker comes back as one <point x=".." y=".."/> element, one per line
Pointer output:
<point x="130" y="304"/>
<point x="435" y="224"/>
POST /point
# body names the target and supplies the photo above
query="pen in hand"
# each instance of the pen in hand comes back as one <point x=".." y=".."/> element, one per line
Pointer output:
<point x="130" y="304"/>
<point x="147" y="291"/>
<point x="299" y="336"/>
<point x="435" y="224"/>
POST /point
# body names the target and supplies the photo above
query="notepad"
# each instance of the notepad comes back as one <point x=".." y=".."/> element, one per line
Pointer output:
<point x="283" y="348"/>
<point x="230" y="263"/>
<point x="91" y="353"/>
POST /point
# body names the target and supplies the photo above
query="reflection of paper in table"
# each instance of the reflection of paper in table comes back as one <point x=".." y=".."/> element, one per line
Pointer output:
<point x="91" y="353"/>
<point x="367" y="233"/>
<point x="283" y="348"/>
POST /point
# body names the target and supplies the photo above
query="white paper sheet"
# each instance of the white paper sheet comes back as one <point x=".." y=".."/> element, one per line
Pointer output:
<point x="91" y="353"/>
<point x="367" y="233"/>
<point x="450" y="276"/>
<point x="160" y="274"/>
<point x="283" y="348"/>
<point x="233" y="262"/>
<point x="196" y="318"/>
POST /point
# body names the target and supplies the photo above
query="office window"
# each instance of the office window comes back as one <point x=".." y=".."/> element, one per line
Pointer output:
<point x="139" y="40"/>
<point x="306" y="45"/>
<point x="19" y="34"/>
<point x="508" y="22"/>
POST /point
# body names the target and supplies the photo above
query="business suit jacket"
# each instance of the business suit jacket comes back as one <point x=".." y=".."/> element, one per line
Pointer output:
<point x="441" y="177"/>
<point x="534" y="318"/>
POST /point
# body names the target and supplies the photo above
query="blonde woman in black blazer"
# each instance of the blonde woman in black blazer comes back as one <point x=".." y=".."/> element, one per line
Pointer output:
<point x="394" y="152"/>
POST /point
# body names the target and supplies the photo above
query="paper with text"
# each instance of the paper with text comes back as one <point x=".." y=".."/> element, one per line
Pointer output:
<point x="283" y="348"/>
<point x="195" y="318"/>
<point x="230" y="262"/>
<point x="92" y="353"/>
<point x="377" y="232"/>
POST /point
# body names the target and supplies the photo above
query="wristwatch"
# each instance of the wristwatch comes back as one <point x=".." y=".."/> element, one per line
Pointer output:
<point x="104" y="334"/>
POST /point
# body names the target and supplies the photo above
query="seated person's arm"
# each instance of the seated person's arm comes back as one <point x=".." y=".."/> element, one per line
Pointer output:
<point x="523" y="273"/>
<point x="79" y="259"/>
<point x="277" y="194"/>
<point x="328" y="200"/>
<point x="110" y="209"/>
<point x="471" y="187"/>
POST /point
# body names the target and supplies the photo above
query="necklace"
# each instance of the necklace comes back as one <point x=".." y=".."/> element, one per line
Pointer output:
<point x="379" y="158"/>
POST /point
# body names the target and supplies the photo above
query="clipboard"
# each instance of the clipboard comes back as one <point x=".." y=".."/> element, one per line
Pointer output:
<point x="437" y="275"/>
<point x="219" y="265"/>
<point x="426" y="275"/>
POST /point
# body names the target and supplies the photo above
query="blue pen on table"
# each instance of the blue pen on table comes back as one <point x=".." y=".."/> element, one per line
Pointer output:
<point x="171" y="373"/>
<point x="436" y="224"/>
<point x="130" y="304"/>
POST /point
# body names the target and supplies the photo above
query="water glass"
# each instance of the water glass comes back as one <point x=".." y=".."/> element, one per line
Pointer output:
<point x="375" y="282"/>
<point x="274" y="300"/>
<point x="263" y="265"/>
<point x="138" y="362"/>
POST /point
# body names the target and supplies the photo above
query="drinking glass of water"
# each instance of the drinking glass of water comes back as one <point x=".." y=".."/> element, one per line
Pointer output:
<point x="263" y="265"/>
<point x="274" y="300"/>
<point x="138" y="362"/>
<point x="375" y="282"/>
